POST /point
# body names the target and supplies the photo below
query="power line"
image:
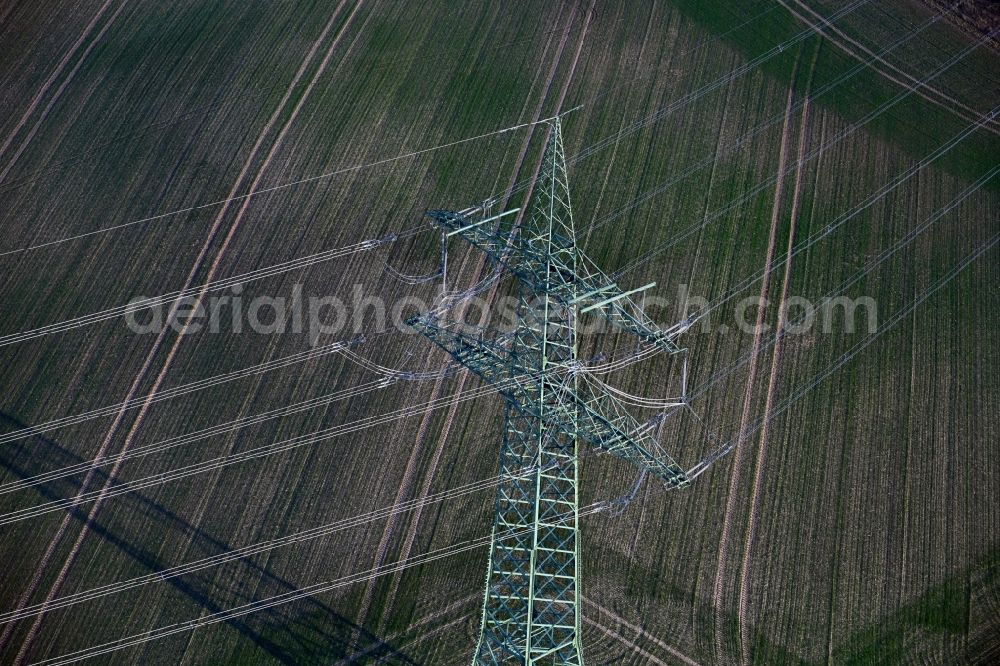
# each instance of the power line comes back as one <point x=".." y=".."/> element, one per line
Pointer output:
<point x="855" y="211"/>
<point x="843" y="219"/>
<point x="12" y="184"/>
<point x="218" y="429"/>
<point x="249" y="550"/>
<point x="300" y="357"/>
<point x="679" y="103"/>
<point x="704" y="42"/>
<point x="684" y="100"/>
<point x="884" y="256"/>
<point x="184" y="472"/>
<point x="306" y="261"/>
<point x="803" y="389"/>
<point x="920" y="300"/>
<point x="336" y="526"/>
<point x="215" y="285"/>
<point x="276" y="188"/>
<point x="265" y="450"/>
<point x="184" y="389"/>
<point x="735" y="73"/>
<point x="288" y="597"/>
<point x="709" y="160"/>
<point x="847" y="131"/>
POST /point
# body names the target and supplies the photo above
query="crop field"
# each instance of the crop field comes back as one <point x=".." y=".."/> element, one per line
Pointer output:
<point x="285" y="152"/>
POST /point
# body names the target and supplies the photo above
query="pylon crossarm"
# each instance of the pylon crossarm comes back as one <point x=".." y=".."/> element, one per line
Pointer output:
<point x="599" y="419"/>
<point x="603" y="422"/>
<point x="591" y="413"/>
<point x="517" y="255"/>
<point x="485" y="220"/>
<point x="599" y="295"/>
<point x="488" y="358"/>
<point x="568" y="276"/>
<point x="479" y="233"/>
<point x="552" y="265"/>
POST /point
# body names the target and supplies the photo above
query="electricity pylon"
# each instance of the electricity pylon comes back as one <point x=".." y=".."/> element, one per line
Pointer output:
<point x="531" y="610"/>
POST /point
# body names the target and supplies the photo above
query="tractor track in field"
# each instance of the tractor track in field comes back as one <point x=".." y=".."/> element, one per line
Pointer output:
<point x="640" y="631"/>
<point x="743" y="603"/>
<point x="234" y="225"/>
<point x="856" y="50"/>
<point x="430" y="617"/>
<point x="51" y="80"/>
<point x="628" y="644"/>
<point x="419" y="639"/>
<point x="739" y="456"/>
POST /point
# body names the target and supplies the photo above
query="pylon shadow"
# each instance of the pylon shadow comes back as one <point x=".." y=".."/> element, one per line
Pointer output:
<point x="303" y="632"/>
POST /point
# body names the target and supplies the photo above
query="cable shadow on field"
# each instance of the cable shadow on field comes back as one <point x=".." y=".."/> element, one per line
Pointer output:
<point x="304" y="632"/>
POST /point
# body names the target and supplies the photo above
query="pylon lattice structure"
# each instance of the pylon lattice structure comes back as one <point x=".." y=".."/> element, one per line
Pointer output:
<point x="531" y="610"/>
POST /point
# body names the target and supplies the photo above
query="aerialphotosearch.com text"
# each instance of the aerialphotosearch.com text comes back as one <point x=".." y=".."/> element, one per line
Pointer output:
<point x="326" y="316"/>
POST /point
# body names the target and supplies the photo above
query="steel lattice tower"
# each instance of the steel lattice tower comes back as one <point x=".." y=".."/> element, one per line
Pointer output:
<point x="531" y="610"/>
